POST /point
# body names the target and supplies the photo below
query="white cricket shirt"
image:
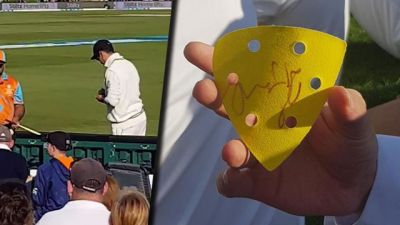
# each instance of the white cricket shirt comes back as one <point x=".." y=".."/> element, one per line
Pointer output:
<point x="122" y="89"/>
<point x="77" y="212"/>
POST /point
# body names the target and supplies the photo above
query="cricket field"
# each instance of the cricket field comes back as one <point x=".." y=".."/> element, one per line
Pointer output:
<point x="60" y="82"/>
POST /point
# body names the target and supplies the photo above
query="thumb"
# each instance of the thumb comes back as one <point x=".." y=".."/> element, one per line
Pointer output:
<point x="235" y="183"/>
<point x="349" y="111"/>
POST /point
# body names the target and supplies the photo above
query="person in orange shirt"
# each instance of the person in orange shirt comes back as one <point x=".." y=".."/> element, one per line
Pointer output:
<point x="50" y="185"/>
<point x="12" y="108"/>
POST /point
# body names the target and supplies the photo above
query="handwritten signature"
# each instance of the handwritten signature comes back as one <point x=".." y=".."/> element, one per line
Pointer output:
<point x="291" y="97"/>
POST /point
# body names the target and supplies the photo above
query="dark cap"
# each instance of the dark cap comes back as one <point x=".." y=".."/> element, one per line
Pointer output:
<point x="5" y="134"/>
<point x="101" y="45"/>
<point x="88" y="174"/>
<point x="60" y="139"/>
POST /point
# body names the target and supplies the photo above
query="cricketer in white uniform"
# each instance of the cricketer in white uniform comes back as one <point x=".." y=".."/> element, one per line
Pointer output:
<point x="121" y="93"/>
<point x="193" y="135"/>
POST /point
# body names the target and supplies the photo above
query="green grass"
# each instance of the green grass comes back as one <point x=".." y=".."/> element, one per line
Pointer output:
<point x="78" y="25"/>
<point x="60" y="83"/>
<point x="369" y="69"/>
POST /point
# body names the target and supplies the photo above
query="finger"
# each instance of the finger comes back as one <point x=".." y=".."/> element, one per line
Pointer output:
<point x="236" y="155"/>
<point x="206" y="93"/>
<point x="9" y="121"/>
<point x="200" y="55"/>
<point x="349" y="112"/>
<point x="235" y="183"/>
<point x="347" y="104"/>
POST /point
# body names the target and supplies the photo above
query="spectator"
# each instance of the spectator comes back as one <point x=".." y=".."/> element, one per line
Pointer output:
<point x="12" y="165"/>
<point x="112" y="194"/>
<point x="15" y="204"/>
<point x="131" y="209"/>
<point x="86" y="187"/>
<point x="50" y="187"/>
<point x="12" y="108"/>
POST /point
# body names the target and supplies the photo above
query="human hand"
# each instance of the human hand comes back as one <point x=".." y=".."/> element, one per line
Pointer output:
<point x="100" y="98"/>
<point x="330" y="173"/>
<point x="101" y="91"/>
<point x="12" y="124"/>
<point x="101" y="94"/>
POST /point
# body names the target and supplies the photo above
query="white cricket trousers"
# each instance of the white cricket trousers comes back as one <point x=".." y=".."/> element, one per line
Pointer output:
<point x="135" y="126"/>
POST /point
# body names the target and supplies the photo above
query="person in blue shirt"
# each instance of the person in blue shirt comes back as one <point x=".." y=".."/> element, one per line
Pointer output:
<point x="50" y="185"/>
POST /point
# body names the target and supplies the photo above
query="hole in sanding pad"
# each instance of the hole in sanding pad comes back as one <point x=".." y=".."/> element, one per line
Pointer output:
<point x="299" y="48"/>
<point x="254" y="45"/>
<point x="233" y="79"/>
<point x="291" y="122"/>
<point x="315" y="83"/>
<point x="251" y="120"/>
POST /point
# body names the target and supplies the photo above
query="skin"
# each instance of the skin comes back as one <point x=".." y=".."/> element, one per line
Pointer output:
<point x="53" y="151"/>
<point x="385" y="117"/>
<point x="77" y="194"/>
<point x="330" y="173"/>
<point x="10" y="144"/>
<point x="19" y="112"/>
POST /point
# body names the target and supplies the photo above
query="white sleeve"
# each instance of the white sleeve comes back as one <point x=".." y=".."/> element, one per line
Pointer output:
<point x="267" y="10"/>
<point x="113" y="88"/>
<point x="328" y="16"/>
<point x="383" y="204"/>
<point x="381" y="21"/>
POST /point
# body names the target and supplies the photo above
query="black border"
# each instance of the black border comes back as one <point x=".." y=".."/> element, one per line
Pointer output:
<point x="161" y="125"/>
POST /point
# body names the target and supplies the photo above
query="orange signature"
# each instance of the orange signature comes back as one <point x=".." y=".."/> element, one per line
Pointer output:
<point x="291" y="97"/>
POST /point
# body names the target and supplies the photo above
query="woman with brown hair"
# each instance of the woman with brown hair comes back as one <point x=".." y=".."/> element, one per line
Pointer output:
<point x="112" y="193"/>
<point x="131" y="209"/>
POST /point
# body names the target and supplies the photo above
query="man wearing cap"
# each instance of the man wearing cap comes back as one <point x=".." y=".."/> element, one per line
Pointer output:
<point x="50" y="186"/>
<point x="13" y="166"/>
<point x="121" y="93"/>
<point x="12" y="107"/>
<point x="87" y="187"/>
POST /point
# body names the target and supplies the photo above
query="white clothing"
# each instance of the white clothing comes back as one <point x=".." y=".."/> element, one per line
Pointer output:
<point x="4" y="146"/>
<point x="77" y="212"/>
<point x="331" y="17"/>
<point x="381" y="20"/>
<point x="382" y="206"/>
<point x="122" y="90"/>
<point x="193" y="136"/>
<point x="135" y="126"/>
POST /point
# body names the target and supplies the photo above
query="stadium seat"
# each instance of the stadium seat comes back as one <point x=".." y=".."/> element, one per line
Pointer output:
<point x="131" y="176"/>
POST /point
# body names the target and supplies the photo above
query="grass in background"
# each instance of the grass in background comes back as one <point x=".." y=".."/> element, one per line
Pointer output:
<point x="22" y="27"/>
<point x="371" y="71"/>
<point x="60" y="83"/>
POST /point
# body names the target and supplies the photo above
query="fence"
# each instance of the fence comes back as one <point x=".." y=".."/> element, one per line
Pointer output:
<point x="104" y="148"/>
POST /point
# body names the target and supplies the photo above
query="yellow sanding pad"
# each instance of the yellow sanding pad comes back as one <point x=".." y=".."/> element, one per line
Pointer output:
<point x="274" y="82"/>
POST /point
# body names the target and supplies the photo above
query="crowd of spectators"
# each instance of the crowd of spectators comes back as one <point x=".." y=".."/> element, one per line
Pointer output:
<point x="65" y="191"/>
